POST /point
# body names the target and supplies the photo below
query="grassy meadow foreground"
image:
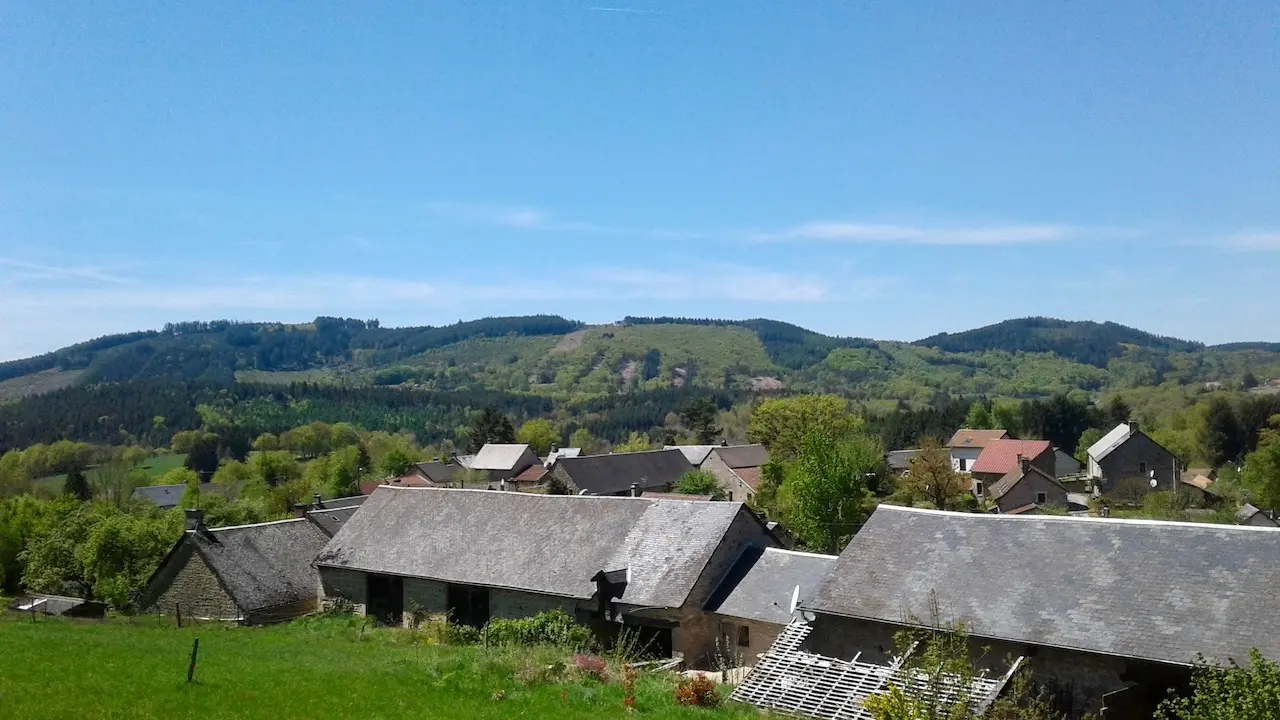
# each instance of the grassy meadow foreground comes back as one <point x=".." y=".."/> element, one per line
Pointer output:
<point x="314" y="668"/>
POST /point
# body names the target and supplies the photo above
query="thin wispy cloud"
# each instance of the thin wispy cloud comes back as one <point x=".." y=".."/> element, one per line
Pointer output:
<point x="519" y="217"/>
<point x="21" y="270"/>
<point x="891" y="234"/>
<point x="622" y="10"/>
<point x="1257" y="242"/>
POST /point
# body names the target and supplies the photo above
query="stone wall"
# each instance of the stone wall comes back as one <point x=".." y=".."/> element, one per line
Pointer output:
<point x="349" y="585"/>
<point x="281" y="613"/>
<point x="733" y="486"/>
<point x="760" y="636"/>
<point x="699" y="630"/>
<point x="187" y="581"/>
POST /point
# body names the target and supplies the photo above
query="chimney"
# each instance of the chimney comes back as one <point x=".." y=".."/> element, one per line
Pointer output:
<point x="502" y="484"/>
<point x="195" y="519"/>
<point x="315" y="502"/>
<point x="635" y="489"/>
<point x="1025" y="463"/>
<point x="724" y="442"/>
<point x="1133" y="425"/>
<point x="554" y="447"/>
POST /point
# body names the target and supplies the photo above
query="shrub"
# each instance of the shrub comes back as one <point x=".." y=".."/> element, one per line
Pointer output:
<point x="459" y="635"/>
<point x="590" y="666"/>
<point x="533" y="673"/>
<point x="553" y="627"/>
<point x="698" y="691"/>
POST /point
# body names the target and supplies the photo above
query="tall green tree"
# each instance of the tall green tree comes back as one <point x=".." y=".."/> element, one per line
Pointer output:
<point x="202" y="456"/>
<point x="1117" y="410"/>
<point x="699" y="416"/>
<point x="931" y="477"/>
<point x="77" y="485"/>
<point x="489" y="426"/>
<point x="637" y="442"/>
<point x="539" y="434"/>
<point x="824" y="498"/>
<point x="1261" y="473"/>
<point x="979" y="418"/>
<point x="1087" y="438"/>
<point x="700" y="482"/>
<point x="397" y="463"/>
<point x="1221" y="437"/>
<point x="1250" y="692"/>
<point x="783" y="424"/>
<point x="582" y="439"/>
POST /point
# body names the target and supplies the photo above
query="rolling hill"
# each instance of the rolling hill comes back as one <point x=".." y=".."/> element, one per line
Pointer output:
<point x="408" y="377"/>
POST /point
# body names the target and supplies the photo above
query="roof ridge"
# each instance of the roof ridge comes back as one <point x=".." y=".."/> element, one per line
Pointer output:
<point x="801" y="552"/>
<point x="1071" y="518"/>
<point x="261" y="524"/>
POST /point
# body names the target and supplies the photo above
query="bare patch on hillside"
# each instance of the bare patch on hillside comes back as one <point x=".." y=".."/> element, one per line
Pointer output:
<point x="37" y="383"/>
<point x="764" y="383"/>
<point x="571" y="342"/>
<point x="630" y="370"/>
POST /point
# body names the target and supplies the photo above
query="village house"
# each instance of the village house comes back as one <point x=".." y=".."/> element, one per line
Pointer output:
<point x="557" y="452"/>
<point x="1197" y="485"/>
<point x="695" y="454"/>
<point x="966" y="445"/>
<point x="611" y="562"/>
<point x="1097" y="607"/>
<point x="1026" y="489"/>
<point x="1129" y="456"/>
<point x="1001" y="457"/>
<point x="253" y="574"/>
<point x="899" y="461"/>
<point x="737" y="467"/>
<point x="504" y="461"/>
<point x="622" y="473"/>
<point x="757" y="598"/>
<point x="1064" y="465"/>
<point x="167" y="497"/>
<point x="1252" y="516"/>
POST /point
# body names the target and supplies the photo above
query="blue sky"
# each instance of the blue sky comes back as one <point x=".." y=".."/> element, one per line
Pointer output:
<point x="875" y="169"/>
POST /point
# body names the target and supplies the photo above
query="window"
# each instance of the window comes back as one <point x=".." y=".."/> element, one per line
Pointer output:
<point x="744" y="636"/>
<point x="1042" y="498"/>
<point x="977" y="488"/>
<point x="963" y="461"/>
<point x="1142" y="469"/>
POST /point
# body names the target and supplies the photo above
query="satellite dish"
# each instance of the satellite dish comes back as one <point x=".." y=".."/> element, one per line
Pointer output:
<point x="795" y="599"/>
<point x="1153" y="478"/>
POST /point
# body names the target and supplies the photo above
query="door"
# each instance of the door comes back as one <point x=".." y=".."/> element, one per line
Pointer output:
<point x="468" y="605"/>
<point x="385" y="595"/>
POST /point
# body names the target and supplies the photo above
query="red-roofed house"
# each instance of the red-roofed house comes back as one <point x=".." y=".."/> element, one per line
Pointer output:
<point x="1000" y="457"/>
<point x="531" y="476"/>
<point x="966" y="445"/>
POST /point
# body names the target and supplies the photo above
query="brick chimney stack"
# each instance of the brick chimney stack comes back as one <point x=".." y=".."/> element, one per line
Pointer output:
<point x="316" y="504"/>
<point x="635" y="489"/>
<point x="195" y="520"/>
<point x="1133" y="425"/>
<point x="1024" y="463"/>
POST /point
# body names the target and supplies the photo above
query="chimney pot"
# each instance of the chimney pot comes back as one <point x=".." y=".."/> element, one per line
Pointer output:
<point x="195" y="519"/>
<point x="1025" y="463"/>
<point x="635" y="489"/>
<point x="315" y="501"/>
<point x="1133" y="425"/>
<point x="554" y="447"/>
<point x="724" y="442"/>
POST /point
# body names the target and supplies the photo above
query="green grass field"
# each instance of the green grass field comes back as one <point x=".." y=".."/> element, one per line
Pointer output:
<point x="155" y="467"/>
<point x="311" y="669"/>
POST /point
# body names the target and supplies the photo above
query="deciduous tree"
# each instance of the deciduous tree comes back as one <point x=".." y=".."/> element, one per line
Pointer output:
<point x="931" y="476"/>
<point x="539" y="435"/>
<point x="77" y="485"/>
<point x="699" y="416"/>
<point x="824" y="498"/>
<point x="783" y="424"/>
<point x="700" y="482"/>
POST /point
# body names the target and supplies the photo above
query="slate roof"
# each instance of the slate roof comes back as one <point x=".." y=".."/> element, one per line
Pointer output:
<point x="1001" y="456"/>
<point x="1112" y="440"/>
<point x="498" y="456"/>
<point x="555" y="455"/>
<point x="550" y="544"/>
<point x="695" y="454"/>
<point x="1030" y="509"/>
<point x="966" y="438"/>
<point x="167" y="497"/>
<point x="900" y="460"/>
<point x="614" y="473"/>
<point x="1160" y="591"/>
<point x="436" y="471"/>
<point x="264" y="565"/>
<point x="743" y="456"/>
<point x="1002" y="486"/>
<point x="331" y="520"/>
<point x="1244" y="514"/>
<point x="760" y="584"/>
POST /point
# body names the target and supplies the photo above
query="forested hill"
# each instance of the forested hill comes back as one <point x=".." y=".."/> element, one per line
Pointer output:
<point x="1091" y="343"/>
<point x="613" y="378"/>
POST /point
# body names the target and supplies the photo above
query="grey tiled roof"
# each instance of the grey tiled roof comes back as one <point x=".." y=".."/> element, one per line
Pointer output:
<point x="743" y="456"/>
<point x="761" y="583"/>
<point x="1155" y="590"/>
<point x="331" y="520"/>
<point x="168" y="496"/>
<point x="264" y="565"/>
<point x="614" y="473"/>
<point x="551" y="544"/>
<point x="900" y="459"/>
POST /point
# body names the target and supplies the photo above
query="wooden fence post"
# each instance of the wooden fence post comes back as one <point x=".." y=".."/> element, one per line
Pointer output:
<point x="177" y="609"/>
<point x="191" y="669"/>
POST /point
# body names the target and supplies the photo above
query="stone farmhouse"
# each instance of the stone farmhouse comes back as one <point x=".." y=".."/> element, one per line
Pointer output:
<point x="1026" y="488"/>
<point x="253" y="574"/>
<point x="504" y="461"/>
<point x="649" y="566"/>
<point x="738" y="468"/>
<point x="617" y="473"/>
<point x="1126" y="454"/>
<point x="1001" y="457"/>
<point x="1112" y="622"/>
